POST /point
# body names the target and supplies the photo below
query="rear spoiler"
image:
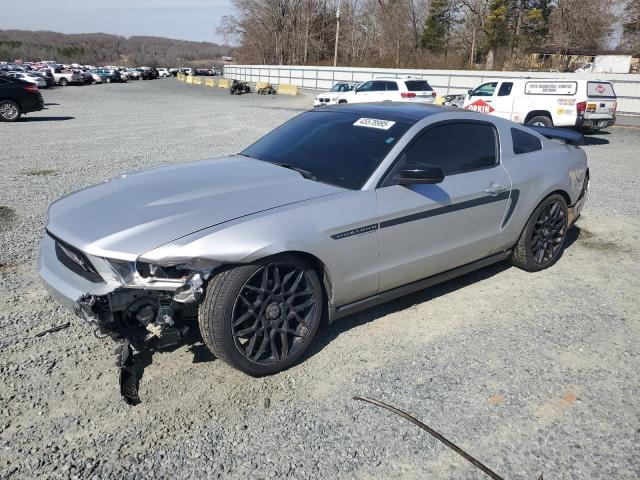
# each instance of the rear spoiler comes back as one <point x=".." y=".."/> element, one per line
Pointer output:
<point x="569" y="136"/>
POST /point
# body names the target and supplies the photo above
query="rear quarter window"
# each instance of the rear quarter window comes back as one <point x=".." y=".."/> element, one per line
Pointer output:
<point x="524" y="142"/>
<point x="418" y="86"/>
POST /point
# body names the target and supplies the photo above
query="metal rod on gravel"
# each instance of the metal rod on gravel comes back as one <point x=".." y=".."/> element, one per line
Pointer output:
<point x="433" y="433"/>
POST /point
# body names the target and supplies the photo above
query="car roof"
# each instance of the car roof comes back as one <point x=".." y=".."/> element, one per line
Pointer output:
<point x="396" y="111"/>
<point x="401" y="79"/>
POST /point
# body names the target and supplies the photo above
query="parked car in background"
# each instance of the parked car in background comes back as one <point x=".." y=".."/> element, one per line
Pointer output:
<point x="33" y="79"/>
<point x="412" y="90"/>
<point x="582" y="104"/>
<point x="163" y="73"/>
<point x="64" y="77"/>
<point x="133" y="74"/>
<point x="333" y="95"/>
<point x="108" y="75"/>
<point x="124" y="74"/>
<point x="454" y="100"/>
<point x="18" y="97"/>
<point x="47" y="76"/>
<point x="147" y="73"/>
<point x="87" y="78"/>
<point x="96" y="78"/>
<point x="204" y="72"/>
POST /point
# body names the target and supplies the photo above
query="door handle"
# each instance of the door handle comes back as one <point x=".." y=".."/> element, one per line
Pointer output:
<point x="496" y="188"/>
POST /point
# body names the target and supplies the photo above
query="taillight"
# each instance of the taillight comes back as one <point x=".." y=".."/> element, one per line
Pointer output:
<point x="615" y="107"/>
<point x="31" y="89"/>
<point x="581" y="107"/>
<point x="433" y="94"/>
<point x="408" y="94"/>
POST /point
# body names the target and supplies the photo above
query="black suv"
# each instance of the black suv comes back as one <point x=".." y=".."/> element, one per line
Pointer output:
<point x="18" y="97"/>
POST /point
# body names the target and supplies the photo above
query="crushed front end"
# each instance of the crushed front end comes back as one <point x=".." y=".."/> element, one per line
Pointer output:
<point x="138" y="304"/>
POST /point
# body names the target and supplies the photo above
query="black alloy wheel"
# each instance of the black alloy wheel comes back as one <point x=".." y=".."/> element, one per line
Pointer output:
<point x="260" y="318"/>
<point x="272" y="313"/>
<point x="542" y="240"/>
<point x="548" y="233"/>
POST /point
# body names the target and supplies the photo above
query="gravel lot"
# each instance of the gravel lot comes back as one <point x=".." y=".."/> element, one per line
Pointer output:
<point x="530" y="373"/>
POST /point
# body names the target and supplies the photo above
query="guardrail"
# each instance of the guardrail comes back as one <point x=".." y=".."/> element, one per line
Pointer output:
<point x="445" y="82"/>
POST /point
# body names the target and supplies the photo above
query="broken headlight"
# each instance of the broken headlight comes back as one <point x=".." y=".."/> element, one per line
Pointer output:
<point x="148" y="275"/>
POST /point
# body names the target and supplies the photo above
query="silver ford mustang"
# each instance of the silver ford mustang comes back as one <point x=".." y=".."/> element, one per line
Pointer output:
<point x="339" y="209"/>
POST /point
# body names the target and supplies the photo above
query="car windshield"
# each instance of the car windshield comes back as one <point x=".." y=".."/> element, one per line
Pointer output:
<point x="340" y="87"/>
<point x="339" y="148"/>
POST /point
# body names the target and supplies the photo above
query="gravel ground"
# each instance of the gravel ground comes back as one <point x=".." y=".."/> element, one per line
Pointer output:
<point x="530" y="373"/>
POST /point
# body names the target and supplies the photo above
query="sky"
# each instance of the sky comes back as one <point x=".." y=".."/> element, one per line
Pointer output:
<point x="182" y="19"/>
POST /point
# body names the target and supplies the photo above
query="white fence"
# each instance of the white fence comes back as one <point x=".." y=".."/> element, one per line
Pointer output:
<point x="627" y="86"/>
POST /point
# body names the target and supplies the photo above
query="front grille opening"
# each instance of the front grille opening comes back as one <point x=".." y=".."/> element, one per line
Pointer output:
<point x="76" y="261"/>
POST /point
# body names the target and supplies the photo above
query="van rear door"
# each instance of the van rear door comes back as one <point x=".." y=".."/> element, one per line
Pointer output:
<point x="601" y="101"/>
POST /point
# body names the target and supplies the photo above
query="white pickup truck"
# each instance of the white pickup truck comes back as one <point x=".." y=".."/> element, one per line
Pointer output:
<point x="63" y="77"/>
<point x="582" y="104"/>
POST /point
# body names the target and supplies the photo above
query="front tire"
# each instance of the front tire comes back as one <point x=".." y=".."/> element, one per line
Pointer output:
<point x="261" y="318"/>
<point x="542" y="240"/>
<point x="10" y="111"/>
<point x="64" y="82"/>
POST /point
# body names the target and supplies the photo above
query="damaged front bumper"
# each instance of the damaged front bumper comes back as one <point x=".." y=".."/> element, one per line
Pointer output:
<point x="142" y="317"/>
<point x="91" y="288"/>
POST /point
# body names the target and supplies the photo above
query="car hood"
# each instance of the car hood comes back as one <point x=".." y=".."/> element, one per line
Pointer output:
<point x="128" y="216"/>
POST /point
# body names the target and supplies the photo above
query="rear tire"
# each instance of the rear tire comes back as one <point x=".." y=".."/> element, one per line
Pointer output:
<point x="10" y="111"/>
<point x="261" y="318"/>
<point x="64" y="82"/>
<point x="540" y="120"/>
<point x="542" y="241"/>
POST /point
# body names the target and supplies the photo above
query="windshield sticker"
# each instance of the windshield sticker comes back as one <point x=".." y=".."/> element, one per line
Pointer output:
<point x="374" y="123"/>
<point x="389" y="140"/>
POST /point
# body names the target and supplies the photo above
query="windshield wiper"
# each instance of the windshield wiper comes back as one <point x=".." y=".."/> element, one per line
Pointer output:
<point x="306" y="174"/>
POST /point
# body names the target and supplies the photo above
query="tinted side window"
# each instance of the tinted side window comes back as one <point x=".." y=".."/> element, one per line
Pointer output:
<point x="379" y="86"/>
<point x="418" y="86"/>
<point x="505" y="89"/>
<point x="455" y="147"/>
<point x="365" y="87"/>
<point x="392" y="86"/>
<point x="524" y="142"/>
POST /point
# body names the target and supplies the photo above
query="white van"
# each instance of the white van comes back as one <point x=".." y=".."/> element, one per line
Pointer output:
<point x="582" y="104"/>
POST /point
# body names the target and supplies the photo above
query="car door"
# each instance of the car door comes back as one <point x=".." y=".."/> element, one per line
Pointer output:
<point x="378" y="91"/>
<point x="481" y="98"/>
<point x="502" y="100"/>
<point x="430" y="228"/>
<point x="362" y="93"/>
<point x="392" y="92"/>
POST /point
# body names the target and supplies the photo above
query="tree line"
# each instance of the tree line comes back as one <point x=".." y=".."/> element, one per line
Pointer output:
<point x="418" y="33"/>
<point x="104" y="49"/>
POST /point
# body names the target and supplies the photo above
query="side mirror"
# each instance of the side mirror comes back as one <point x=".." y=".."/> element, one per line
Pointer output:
<point x="469" y="92"/>
<point x="419" y="174"/>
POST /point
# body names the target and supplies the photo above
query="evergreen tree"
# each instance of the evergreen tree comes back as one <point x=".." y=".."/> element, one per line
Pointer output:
<point x="437" y="29"/>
